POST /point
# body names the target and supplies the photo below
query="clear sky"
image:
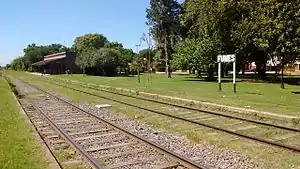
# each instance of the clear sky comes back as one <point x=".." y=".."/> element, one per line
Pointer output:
<point x="59" y="21"/>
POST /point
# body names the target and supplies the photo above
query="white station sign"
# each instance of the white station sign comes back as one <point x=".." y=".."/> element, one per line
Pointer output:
<point x="226" y="58"/>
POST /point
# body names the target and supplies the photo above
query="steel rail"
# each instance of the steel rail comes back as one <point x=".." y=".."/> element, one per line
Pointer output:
<point x="200" y="110"/>
<point x="183" y="160"/>
<point x="262" y="140"/>
<point x="69" y="139"/>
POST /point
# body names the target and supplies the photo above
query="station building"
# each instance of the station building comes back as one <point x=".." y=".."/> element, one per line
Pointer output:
<point x="58" y="63"/>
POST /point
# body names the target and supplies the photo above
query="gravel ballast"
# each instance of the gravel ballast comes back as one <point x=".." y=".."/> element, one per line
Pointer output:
<point x="205" y="154"/>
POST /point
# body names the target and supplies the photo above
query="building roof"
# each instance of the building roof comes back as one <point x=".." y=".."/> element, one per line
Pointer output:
<point x="50" y="58"/>
<point x="55" y="54"/>
<point x="44" y="62"/>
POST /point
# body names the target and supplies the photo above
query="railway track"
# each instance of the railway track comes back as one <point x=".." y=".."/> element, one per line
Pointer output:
<point x="100" y="142"/>
<point x="272" y="134"/>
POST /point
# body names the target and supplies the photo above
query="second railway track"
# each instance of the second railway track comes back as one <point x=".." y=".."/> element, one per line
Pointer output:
<point x="273" y="134"/>
<point x="103" y="144"/>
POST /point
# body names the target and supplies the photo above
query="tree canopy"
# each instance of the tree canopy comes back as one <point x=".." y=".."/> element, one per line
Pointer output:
<point x="86" y="41"/>
<point x="164" y="20"/>
<point x="34" y="53"/>
<point x="100" y="56"/>
<point x="254" y="30"/>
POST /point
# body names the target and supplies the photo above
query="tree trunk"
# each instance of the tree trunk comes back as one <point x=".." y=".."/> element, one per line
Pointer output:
<point x="138" y="73"/>
<point x="167" y="58"/>
<point x="261" y="70"/>
<point x="243" y="68"/>
<point x="198" y="73"/>
<point x="83" y="71"/>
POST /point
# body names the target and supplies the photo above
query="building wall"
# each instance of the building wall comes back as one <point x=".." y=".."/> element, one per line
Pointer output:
<point x="70" y="63"/>
<point x="60" y="63"/>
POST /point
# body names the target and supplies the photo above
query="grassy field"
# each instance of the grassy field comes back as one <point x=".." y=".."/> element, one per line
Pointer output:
<point x="267" y="157"/>
<point x="18" y="147"/>
<point x="259" y="96"/>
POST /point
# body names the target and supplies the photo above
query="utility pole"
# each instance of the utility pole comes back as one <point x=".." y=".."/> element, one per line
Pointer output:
<point x="138" y="64"/>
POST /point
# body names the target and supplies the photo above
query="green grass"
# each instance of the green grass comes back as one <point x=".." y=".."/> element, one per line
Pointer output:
<point x="259" y="96"/>
<point x="18" y="147"/>
<point x="267" y="157"/>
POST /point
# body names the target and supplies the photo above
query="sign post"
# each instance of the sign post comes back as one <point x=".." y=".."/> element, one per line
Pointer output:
<point x="234" y="84"/>
<point x="227" y="59"/>
<point x="219" y="75"/>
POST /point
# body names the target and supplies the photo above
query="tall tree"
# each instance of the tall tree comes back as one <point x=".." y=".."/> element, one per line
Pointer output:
<point x="280" y="30"/>
<point x="106" y="60"/>
<point x="164" y="20"/>
<point x="84" y="42"/>
<point x="198" y="55"/>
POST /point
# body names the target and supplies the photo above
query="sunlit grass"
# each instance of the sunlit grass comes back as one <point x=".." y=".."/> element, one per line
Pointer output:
<point x="268" y="157"/>
<point x="18" y="147"/>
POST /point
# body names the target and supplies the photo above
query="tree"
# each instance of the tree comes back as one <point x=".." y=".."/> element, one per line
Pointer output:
<point x="148" y="55"/>
<point x="268" y="29"/>
<point x="203" y="23"/>
<point x="127" y="56"/>
<point x="84" y="59"/>
<point x="198" y="55"/>
<point x="19" y="64"/>
<point x="84" y="42"/>
<point x="34" y="53"/>
<point x="280" y="30"/>
<point x="164" y="21"/>
<point x="106" y="60"/>
<point x="113" y="45"/>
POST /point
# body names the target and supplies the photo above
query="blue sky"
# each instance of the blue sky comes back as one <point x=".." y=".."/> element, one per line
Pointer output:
<point x="60" y="21"/>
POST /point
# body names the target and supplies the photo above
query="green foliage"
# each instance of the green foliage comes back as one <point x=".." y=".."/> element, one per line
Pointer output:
<point x="197" y="54"/>
<point x="83" y="59"/>
<point x="106" y="59"/>
<point x="202" y="42"/>
<point x="20" y="64"/>
<point x="113" y="45"/>
<point x="87" y="41"/>
<point x="95" y="52"/>
<point x="164" y="21"/>
<point x="279" y="31"/>
<point x="127" y="56"/>
<point x="136" y="63"/>
<point x="34" y="53"/>
<point x="255" y="30"/>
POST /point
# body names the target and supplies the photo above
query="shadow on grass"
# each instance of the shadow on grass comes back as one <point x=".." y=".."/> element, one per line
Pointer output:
<point x="296" y="92"/>
<point x="253" y="93"/>
<point x="291" y="80"/>
<point x="203" y="80"/>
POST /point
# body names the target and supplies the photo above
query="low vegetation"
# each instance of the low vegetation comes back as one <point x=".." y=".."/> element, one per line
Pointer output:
<point x="280" y="159"/>
<point x="18" y="147"/>
<point x="260" y="96"/>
